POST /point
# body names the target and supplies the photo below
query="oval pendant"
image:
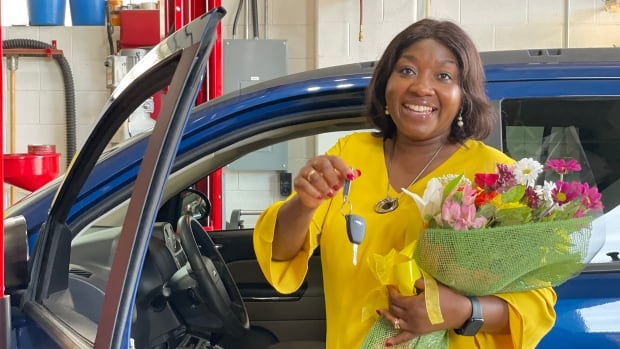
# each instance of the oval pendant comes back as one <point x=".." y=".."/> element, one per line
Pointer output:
<point x="386" y="205"/>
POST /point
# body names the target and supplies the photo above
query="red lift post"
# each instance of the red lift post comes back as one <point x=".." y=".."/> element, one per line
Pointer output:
<point x="5" y="316"/>
<point x="1" y="170"/>
<point x="177" y="14"/>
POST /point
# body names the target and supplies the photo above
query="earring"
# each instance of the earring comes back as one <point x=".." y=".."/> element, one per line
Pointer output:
<point x="387" y="112"/>
<point x="459" y="121"/>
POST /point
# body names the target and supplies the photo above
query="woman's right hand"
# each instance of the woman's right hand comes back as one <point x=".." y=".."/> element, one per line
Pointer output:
<point x="321" y="178"/>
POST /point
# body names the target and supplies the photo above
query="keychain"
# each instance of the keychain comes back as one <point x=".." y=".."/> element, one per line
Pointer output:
<point x="355" y="225"/>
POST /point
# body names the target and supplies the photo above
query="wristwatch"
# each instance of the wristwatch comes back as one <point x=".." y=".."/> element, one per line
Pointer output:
<point x="472" y="326"/>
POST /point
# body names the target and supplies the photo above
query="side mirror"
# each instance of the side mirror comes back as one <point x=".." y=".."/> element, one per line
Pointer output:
<point x="195" y="204"/>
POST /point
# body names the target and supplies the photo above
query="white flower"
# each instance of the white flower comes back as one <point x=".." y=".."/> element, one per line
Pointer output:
<point x="445" y="179"/>
<point x="544" y="192"/>
<point x="527" y="170"/>
<point x="429" y="203"/>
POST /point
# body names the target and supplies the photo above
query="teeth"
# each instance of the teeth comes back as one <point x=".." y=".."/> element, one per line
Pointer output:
<point x="419" y="108"/>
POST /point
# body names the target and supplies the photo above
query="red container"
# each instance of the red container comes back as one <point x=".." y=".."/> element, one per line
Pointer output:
<point x="32" y="170"/>
<point x="139" y="28"/>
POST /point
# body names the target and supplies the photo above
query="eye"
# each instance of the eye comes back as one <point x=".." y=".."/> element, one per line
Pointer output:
<point x="407" y="71"/>
<point x="445" y="76"/>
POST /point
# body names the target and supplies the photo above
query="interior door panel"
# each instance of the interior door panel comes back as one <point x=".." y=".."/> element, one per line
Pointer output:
<point x="299" y="316"/>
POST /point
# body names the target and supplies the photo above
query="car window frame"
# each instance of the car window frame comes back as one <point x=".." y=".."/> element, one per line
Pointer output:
<point x="598" y="86"/>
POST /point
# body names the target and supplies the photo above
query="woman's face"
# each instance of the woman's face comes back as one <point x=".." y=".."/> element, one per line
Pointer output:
<point x="423" y="93"/>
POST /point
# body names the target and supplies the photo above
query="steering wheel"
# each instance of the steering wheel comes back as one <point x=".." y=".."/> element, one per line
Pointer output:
<point x="215" y="283"/>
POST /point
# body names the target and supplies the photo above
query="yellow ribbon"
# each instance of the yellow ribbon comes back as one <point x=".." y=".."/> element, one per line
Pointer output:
<point x="399" y="269"/>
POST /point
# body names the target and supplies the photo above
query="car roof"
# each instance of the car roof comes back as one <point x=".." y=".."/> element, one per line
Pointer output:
<point x="347" y="83"/>
<point x="552" y="64"/>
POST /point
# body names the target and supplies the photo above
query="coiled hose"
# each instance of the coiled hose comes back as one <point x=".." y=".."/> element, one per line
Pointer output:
<point x="67" y="77"/>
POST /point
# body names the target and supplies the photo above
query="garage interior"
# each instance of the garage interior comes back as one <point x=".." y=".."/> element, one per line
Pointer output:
<point x="62" y="60"/>
<point x="59" y="67"/>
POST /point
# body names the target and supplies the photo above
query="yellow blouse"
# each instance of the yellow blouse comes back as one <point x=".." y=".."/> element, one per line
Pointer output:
<point x="346" y="286"/>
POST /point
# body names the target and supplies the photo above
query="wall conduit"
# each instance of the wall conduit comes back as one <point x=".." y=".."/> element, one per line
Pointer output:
<point x="68" y="83"/>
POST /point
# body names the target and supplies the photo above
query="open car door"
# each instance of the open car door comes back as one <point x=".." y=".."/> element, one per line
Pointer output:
<point x="62" y="312"/>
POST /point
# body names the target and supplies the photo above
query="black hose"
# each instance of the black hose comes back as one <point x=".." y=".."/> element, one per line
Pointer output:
<point x="109" y="27"/>
<point x="69" y="87"/>
<point x="234" y="29"/>
<point x="255" y="18"/>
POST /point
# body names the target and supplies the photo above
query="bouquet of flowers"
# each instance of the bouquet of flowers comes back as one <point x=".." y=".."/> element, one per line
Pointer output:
<point x="501" y="233"/>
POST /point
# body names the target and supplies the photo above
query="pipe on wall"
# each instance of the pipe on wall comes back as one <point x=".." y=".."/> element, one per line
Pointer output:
<point x="12" y="64"/>
<point x="67" y="76"/>
<point x="566" y="28"/>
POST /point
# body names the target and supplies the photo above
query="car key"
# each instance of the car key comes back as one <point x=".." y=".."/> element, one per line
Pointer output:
<point x="356" y="229"/>
<point x="355" y="225"/>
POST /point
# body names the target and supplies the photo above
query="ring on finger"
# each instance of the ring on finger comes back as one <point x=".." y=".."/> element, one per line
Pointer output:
<point x="308" y="175"/>
<point x="397" y="324"/>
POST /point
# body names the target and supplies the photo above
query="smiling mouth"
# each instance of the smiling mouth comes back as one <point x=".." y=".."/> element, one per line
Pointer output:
<point x="419" y="108"/>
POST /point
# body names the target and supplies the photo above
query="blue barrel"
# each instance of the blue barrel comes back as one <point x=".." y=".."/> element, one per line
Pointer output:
<point x="46" y="12"/>
<point x="87" y="12"/>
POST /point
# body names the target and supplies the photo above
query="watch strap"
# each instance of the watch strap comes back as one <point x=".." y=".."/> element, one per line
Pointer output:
<point x="475" y="322"/>
<point x="476" y="308"/>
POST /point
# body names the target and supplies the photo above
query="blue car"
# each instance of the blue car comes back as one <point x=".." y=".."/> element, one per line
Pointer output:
<point x="123" y="252"/>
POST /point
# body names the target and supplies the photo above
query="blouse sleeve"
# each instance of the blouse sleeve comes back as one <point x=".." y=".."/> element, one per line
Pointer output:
<point x="284" y="276"/>
<point x="531" y="317"/>
<point x="287" y="276"/>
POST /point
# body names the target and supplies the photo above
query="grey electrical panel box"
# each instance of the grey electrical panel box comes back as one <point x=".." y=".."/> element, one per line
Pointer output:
<point x="248" y="62"/>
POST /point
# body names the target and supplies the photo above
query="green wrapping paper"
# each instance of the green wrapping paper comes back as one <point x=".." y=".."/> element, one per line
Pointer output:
<point x="486" y="261"/>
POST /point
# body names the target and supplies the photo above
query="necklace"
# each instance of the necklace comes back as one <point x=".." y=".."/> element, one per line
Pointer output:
<point x="389" y="204"/>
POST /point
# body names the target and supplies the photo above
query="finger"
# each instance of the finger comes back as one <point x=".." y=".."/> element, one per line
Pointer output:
<point x="402" y="337"/>
<point x="320" y="177"/>
<point x="391" y="318"/>
<point x="309" y="195"/>
<point x="344" y="170"/>
<point x="396" y="299"/>
<point x="304" y="184"/>
<point x="419" y="285"/>
<point x="331" y="179"/>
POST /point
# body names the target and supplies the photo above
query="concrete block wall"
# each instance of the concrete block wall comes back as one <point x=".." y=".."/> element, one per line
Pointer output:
<point x="320" y="33"/>
<point x="492" y="24"/>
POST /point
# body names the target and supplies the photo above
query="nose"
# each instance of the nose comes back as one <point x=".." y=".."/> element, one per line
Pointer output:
<point x="422" y="85"/>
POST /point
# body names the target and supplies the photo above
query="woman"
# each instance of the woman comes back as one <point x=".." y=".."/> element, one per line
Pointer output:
<point x="427" y="99"/>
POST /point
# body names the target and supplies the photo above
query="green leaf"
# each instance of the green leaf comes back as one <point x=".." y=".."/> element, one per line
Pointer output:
<point x="450" y="187"/>
<point x="487" y="210"/>
<point x="513" y="216"/>
<point x="513" y="194"/>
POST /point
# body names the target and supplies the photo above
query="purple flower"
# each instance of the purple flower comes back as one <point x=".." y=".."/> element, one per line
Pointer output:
<point x="506" y="178"/>
<point x="533" y="201"/>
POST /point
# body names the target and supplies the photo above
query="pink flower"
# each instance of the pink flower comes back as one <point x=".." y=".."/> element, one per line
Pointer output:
<point x="461" y="216"/>
<point x="563" y="167"/>
<point x="591" y="198"/>
<point x="566" y="192"/>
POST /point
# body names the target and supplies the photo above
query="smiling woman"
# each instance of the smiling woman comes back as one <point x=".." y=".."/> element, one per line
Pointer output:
<point x="538" y="120"/>
<point x="427" y="99"/>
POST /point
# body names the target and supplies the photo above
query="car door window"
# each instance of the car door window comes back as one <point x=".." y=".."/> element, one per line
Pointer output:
<point x="585" y="129"/>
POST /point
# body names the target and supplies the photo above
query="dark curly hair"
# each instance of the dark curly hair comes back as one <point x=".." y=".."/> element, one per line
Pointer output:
<point x="477" y="113"/>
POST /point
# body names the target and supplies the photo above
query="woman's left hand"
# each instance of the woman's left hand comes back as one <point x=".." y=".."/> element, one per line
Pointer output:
<point x="410" y="316"/>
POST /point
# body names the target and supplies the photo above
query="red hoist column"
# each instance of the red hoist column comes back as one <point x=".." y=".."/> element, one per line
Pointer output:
<point x="178" y="13"/>
<point x="1" y="170"/>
